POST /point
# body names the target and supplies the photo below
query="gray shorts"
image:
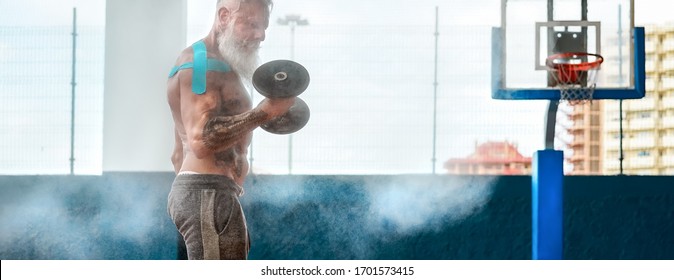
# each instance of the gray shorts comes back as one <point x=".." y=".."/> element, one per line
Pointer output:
<point x="206" y="210"/>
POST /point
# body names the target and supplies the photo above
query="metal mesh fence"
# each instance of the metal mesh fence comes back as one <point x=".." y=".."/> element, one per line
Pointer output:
<point x="375" y="107"/>
<point x="373" y="100"/>
<point x="35" y="91"/>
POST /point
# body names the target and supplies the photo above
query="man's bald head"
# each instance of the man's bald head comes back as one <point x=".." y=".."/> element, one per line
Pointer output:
<point x="234" y="5"/>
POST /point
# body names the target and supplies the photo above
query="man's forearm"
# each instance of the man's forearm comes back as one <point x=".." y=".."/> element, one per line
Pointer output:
<point x="223" y="131"/>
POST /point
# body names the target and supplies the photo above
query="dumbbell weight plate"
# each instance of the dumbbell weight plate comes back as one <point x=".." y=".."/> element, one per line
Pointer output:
<point x="280" y="79"/>
<point x="292" y="121"/>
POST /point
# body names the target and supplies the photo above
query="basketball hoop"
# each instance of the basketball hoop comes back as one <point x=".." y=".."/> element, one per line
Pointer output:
<point x="574" y="74"/>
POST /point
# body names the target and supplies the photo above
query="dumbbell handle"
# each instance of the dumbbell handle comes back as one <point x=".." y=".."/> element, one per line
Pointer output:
<point x="292" y="121"/>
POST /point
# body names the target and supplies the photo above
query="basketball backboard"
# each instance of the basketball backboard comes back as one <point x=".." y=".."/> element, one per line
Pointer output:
<point x="533" y="30"/>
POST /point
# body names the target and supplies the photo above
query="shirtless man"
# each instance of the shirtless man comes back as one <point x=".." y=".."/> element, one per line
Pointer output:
<point x="214" y="120"/>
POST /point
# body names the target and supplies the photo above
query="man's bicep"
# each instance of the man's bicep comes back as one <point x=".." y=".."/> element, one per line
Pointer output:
<point x="196" y="109"/>
<point x="189" y="103"/>
<point x="190" y="107"/>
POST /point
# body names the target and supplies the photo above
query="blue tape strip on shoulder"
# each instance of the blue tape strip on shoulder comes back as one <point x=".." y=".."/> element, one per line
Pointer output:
<point x="213" y="65"/>
<point x="175" y="69"/>
<point x="200" y="67"/>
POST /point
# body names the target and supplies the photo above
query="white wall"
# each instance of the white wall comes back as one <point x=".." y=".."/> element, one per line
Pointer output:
<point x="143" y="39"/>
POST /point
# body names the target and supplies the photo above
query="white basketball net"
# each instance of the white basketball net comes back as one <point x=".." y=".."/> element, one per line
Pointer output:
<point x="575" y="78"/>
<point x="571" y="91"/>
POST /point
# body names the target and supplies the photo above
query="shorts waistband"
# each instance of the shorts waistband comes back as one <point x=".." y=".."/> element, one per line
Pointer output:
<point x="206" y="182"/>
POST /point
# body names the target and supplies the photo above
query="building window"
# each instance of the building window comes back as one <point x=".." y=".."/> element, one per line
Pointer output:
<point x="594" y="136"/>
<point x="594" y="120"/>
<point x="579" y="166"/>
<point x="594" y="166"/>
<point x="594" y="151"/>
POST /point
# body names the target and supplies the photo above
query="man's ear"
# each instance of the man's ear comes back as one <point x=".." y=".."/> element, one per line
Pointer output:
<point x="223" y="16"/>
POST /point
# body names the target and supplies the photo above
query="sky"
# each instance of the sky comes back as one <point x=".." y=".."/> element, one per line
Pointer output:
<point x="372" y="80"/>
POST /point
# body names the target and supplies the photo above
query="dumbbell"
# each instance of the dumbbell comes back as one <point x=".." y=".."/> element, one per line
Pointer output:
<point x="284" y="79"/>
<point x="292" y="121"/>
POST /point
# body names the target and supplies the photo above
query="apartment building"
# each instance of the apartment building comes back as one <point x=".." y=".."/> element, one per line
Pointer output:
<point x="647" y="124"/>
<point x="585" y="146"/>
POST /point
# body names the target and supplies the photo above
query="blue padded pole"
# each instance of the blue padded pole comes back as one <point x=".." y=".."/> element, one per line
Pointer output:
<point x="546" y="201"/>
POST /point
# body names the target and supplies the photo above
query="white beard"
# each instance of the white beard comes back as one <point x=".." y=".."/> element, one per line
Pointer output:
<point x="243" y="60"/>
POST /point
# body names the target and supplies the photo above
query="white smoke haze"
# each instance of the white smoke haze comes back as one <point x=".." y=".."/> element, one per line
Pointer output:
<point x="77" y="222"/>
<point x="130" y="212"/>
<point x="292" y="191"/>
<point x="412" y="203"/>
<point x="404" y="204"/>
<point x="313" y="215"/>
<point x="41" y="220"/>
<point x="345" y="215"/>
<point x="351" y="217"/>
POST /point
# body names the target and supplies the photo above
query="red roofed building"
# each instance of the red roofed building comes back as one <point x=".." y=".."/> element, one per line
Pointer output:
<point x="495" y="158"/>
